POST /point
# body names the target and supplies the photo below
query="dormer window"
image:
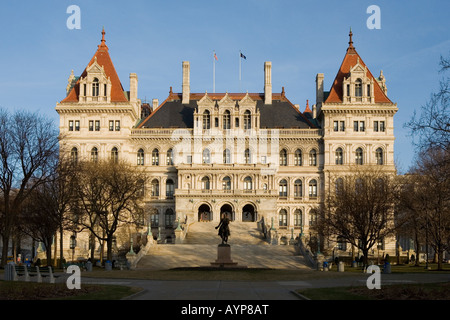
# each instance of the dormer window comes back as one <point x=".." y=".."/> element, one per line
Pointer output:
<point x="358" y="88"/>
<point x="95" y="88"/>
<point x="247" y="120"/>
<point x="206" y="120"/>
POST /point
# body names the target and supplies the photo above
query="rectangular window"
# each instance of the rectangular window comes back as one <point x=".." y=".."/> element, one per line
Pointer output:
<point x="216" y="122"/>
<point x="105" y="90"/>
<point x="336" y="125"/>
<point x="70" y="125"/>
<point x="348" y="90"/>
<point x="342" y="127"/>
<point x="237" y="123"/>
<point x="368" y="90"/>
<point x="189" y="159"/>
<point x="84" y="90"/>
<point x="382" y="126"/>
<point x="263" y="159"/>
<point x="91" y="125"/>
<point x="111" y="125"/>
<point x="361" y="126"/>
<point x="375" y="126"/>
<point x="117" y="125"/>
<point x="355" y="126"/>
<point x="77" y="125"/>
<point x="97" y="125"/>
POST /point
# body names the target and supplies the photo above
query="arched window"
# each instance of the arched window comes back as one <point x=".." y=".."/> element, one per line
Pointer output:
<point x="247" y="120"/>
<point x="95" y="88"/>
<point x="169" y="189"/>
<point x="155" y="157"/>
<point x="141" y="190"/>
<point x="283" y="157"/>
<point x="339" y="186"/>
<point x="140" y="157"/>
<point x="169" y="157"/>
<point x="94" y="154"/>
<point x="248" y="184"/>
<point x="313" y="157"/>
<point x="226" y="120"/>
<point x="226" y="156"/>
<point x="206" y="156"/>
<point x="282" y="222"/>
<point x="358" y="88"/>
<point x="339" y="156"/>
<point x="206" y="120"/>
<point x="359" y="156"/>
<point x="247" y="156"/>
<point x="205" y="183"/>
<point x="283" y="188"/>
<point x="298" y="219"/>
<point x="298" y="188"/>
<point x="379" y="156"/>
<point x="74" y="155"/>
<point x="313" y="189"/>
<point x="155" y="188"/>
<point x="226" y="183"/>
<point x="298" y="157"/>
<point x="114" y="155"/>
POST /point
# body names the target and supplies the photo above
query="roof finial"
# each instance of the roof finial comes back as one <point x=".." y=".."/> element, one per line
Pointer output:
<point x="103" y="35"/>
<point x="350" y="43"/>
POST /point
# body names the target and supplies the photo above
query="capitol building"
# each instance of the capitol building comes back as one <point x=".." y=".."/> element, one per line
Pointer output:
<point x="251" y="156"/>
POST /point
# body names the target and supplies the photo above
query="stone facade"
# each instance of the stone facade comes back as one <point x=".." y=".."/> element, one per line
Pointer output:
<point x="252" y="156"/>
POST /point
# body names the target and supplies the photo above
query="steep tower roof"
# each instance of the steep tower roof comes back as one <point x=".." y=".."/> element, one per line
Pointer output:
<point x="103" y="59"/>
<point x="350" y="60"/>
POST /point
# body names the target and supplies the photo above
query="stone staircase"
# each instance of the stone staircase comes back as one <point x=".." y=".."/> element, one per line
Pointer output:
<point x="199" y="249"/>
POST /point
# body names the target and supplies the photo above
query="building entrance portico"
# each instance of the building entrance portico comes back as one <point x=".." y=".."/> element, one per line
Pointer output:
<point x="205" y="213"/>
<point x="248" y="213"/>
<point x="228" y="211"/>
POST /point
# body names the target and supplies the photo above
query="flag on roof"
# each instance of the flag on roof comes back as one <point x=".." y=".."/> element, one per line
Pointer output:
<point x="242" y="56"/>
<point x="215" y="56"/>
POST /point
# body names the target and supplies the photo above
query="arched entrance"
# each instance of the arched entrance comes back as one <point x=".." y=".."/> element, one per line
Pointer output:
<point x="228" y="211"/>
<point x="248" y="213"/>
<point x="204" y="213"/>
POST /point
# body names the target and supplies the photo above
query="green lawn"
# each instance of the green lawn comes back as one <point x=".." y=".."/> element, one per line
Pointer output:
<point x="430" y="291"/>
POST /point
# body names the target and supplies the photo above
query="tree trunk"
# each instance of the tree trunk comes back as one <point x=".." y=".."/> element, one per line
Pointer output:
<point x="5" y="242"/>
<point x="61" y="243"/>
<point x="109" y="249"/>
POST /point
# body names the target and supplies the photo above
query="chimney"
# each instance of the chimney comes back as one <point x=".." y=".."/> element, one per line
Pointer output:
<point x="267" y="82"/>
<point x="155" y="104"/>
<point x="133" y="87"/>
<point x="319" y="90"/>
<point x="186" y="82"/>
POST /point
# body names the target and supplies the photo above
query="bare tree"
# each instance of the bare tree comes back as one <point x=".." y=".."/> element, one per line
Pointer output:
<point x="28" y="147"/>
<point x="358" y="208"/>
<point x="432" y="125"/>
<point x="432" y="198"/>
<point x="108" y="195"/>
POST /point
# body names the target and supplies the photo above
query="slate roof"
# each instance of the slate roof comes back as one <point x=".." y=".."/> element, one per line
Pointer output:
<point x="280" y="114"/>
<point x="103" y="59"/>
<point x="351" y="58"/>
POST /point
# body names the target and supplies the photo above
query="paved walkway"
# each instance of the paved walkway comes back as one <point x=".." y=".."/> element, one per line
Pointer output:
<point x="254" y="290"/>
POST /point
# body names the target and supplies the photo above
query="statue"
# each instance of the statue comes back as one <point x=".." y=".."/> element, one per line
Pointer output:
<point x="224" y="229"/>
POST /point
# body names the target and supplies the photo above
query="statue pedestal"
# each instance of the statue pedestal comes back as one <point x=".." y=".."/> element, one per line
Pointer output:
<point x="224" y="257"/>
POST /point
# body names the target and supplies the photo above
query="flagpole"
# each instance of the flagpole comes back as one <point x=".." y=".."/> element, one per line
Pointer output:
<point x="240" y="89"/>
<point x="214" y="72"/>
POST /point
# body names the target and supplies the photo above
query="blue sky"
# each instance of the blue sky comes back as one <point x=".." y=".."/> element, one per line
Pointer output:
<point x="152" y="38"/>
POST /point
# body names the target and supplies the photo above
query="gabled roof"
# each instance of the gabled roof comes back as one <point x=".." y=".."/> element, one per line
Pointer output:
<point x="172" y="113"/>
<point x="350" y="60"/>
<point x="103" y="59"/>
